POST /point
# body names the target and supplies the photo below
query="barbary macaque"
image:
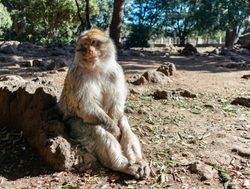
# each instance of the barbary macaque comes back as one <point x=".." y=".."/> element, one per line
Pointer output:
<point x="93" y="100"/>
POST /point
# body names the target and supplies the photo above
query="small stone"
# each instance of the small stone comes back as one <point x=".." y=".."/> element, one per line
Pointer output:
<point x="243" y="101"/>
<point x="247" y="76"/>
<point x="27" y="63"/>
<point x="205" y="171"/>
<point x="168" y="69"/>
<point x="53" y="72"/>
<point x="141" y="81"/>
<point x="163" y="94"/>
<point x="170" y="94"/>
<point x="38" y="63"/>
<point x="63" y="69"/>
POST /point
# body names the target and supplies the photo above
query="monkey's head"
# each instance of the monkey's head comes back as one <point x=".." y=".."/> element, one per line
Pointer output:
<point x="94" y="48"/>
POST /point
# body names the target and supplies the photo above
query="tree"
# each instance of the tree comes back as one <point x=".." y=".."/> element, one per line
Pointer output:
<point x="87" y="14"/>
<point x="181" y="16"/>
<point x="138" y="37"/>
<point x="144" y="20"/>
<point x="5" y="19"/>
<point x="223" y="16"/>
<point x="102" y="18"/>
<point x="79" y="15"/>
<point x="115" y="26"/>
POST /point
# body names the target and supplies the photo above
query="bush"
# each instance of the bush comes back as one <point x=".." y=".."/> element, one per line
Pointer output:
<point x="5" y="20"/>
<point x="138" y="36"/>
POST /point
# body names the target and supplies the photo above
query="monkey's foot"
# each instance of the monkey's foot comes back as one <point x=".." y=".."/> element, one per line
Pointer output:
<point x="139" y="171"/>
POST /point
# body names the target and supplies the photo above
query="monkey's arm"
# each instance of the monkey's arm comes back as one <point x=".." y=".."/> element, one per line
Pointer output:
<point x="119" y="96"/>
<point x="94" y="114"/>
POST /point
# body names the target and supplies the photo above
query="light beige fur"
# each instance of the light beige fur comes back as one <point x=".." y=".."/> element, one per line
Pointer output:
<point x="94" y="97"/>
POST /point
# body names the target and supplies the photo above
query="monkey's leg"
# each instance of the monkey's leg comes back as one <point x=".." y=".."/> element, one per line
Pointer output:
<point x="110" y="154"/>
<point x="130" y="142"/>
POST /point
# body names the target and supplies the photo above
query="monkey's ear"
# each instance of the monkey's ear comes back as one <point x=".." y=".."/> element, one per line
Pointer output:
<point x="107" y="32"/>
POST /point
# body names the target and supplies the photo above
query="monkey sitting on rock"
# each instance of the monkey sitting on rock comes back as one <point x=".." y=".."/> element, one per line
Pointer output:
<point x="93" y="99"/>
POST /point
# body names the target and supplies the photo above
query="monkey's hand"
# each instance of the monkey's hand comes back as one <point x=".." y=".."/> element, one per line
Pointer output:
<point x="115" y="131"/>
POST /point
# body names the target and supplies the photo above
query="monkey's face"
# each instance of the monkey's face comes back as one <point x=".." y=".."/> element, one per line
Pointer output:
<point x="94" y="47"/>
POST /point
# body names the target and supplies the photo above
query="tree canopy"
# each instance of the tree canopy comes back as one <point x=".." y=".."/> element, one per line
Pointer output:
<point x="60" y="20"/>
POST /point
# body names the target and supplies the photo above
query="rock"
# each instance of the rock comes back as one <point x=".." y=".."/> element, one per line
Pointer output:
<point x="244" y="40"/>
<point x="168" y="69"/>
<point x="27" y="46"/>
<point x="63" y="69"/>
<point x="205" y="171"/>
<point x="243" y="51"/>
<point x="27" y="63"/>
<point x="6" y="59"/>
<point x="30" y="106"/>
<point x="38" y="63"/>
<point x="186" y="93"/>
<point x="141" y="81"/>
<point x="170" y="48"/>
<point x="237" y="58"/>
<point x="171" y="94"/>
<point x="156" y="77"/>
<point x="54" y="64"/>
<point x="243" y="101"/>
<point x="8" y="49"/>
<point x="234" y="65"/>
<point x="225" y="52"/>
<point x="58" y="51"/>
<point x="244" y="152"/>
<point x="216" y="51"/>
<point x="152" y="77"/>
<point x="163" y="94"/>
<point x="247" y="76"/>
<point x="189" y="50"/>
<point x="166" y="55"/>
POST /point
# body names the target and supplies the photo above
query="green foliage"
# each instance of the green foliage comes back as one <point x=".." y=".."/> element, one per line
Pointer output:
<point x="221" y="15"/>
<point x="51" y="19"/>
<point x="138" y="37"/>
<point x="103" y="15"/>
<point x="5" y="19"/>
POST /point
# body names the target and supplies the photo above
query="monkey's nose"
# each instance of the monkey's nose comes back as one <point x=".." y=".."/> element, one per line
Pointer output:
<point x="92" y="53"/>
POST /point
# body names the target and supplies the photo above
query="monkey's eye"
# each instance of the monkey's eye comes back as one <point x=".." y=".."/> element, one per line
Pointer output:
<point x="81" y="48"/>
<point x="94" y="42"/>
<point x="85" y="45"/>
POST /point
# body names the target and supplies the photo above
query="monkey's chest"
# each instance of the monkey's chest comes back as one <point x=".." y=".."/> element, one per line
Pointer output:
<point x="107" y="97"/>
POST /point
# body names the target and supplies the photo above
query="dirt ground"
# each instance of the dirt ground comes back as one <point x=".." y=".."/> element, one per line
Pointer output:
<point x="189" y="141"/>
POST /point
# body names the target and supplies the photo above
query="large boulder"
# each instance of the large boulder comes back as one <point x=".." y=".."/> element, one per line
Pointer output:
<point x="31" y="106"/>
<point x="244" y="40"/>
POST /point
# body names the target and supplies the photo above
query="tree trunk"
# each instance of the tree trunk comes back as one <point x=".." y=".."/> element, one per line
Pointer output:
<point x="182" y="40"/>
<point x="79" y="16"/>
<point x="115" y="26"/>
<point x="87" y="14"/>
<point x="230" y="38"/>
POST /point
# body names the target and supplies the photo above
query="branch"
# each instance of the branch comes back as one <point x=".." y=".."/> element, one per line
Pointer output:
<point x="79" y="15"/>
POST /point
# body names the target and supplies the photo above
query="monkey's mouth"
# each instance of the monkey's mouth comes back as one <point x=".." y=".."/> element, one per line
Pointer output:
<point x="91" y="59"/>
